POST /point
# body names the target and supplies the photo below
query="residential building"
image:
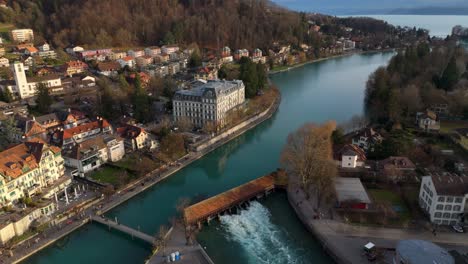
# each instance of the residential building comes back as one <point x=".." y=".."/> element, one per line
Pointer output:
<point x="93" y="153"/>
<point x="127" y="61"/>
<point x="144" y="61"/>
<point x="168" y="49"/>
<point x="51" y="54"/>
<point x="350" y="156"/>
<point x="136" y="138"/>
<point x="75" y="135"/>
<point x="241" y="53"/>
<point x="144" y="78"/>
<point x="4" y="62"/>
<point x="208" y="102"/>
<point x="44" y="47"/>
<point x="206" y="73"/>
<point x="75" y="67"/>
<point x="136" y="53"/>
<point x="83" y="54"/>
<point x="26" y="87"/>
<point x="161" y="58"/>
<point x="109" y="68"/>
<point x="30" y="51"/>
<point x="428" y="121"/>
<point x="443" y="198"/>
<point x="349" y="45"/>
<point x="257" y="53"/>
<point x="115" y="55"/>
<point x="76" y="83"/>
<point x="226" y="52"/>
<point x="2" y="51"/>
<point x="350" y="193"/>
<point x="396" y="168"/>
<point x="367" y="138"/>
<point x="173" y="68"/>
<point x="152" y="51"/>
<point x="22" y="35"/>
<point x="27" y="168"/>
<point x="73" y="50"/>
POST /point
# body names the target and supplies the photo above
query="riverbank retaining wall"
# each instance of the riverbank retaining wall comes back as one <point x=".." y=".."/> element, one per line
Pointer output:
<point x="327" y="245"/>
<point x="243" y="126"/>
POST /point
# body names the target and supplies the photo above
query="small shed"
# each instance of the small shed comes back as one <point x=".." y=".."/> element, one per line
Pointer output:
<point x="351" y="193"/>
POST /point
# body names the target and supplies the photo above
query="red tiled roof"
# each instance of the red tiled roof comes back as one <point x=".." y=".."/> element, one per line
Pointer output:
<point x="69" y="133"/>
<point x="129" y="131"/>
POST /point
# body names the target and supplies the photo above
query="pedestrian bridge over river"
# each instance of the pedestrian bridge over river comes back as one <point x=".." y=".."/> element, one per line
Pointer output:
<point x="215" y="206"/>
<point x="123" y="228"/>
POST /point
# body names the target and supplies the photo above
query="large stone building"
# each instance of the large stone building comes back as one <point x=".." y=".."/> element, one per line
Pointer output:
<point x="443" y="198"/>
<point x="26" y="87"/>
<point x="26" y="169"/>
<point x="209" y="102"/>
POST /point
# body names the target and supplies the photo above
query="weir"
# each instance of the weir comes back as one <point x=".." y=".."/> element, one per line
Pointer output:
<point x="213" y="207"/>
<point x="123" y="228"/>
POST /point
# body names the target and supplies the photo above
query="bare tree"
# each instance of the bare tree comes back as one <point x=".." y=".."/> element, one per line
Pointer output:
<point x="184" y="124"/>
<point x="160" y="238"/>
<point x="307" y="157"/>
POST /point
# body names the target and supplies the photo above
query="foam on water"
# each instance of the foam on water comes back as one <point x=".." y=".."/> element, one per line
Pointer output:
<point x="263" y="241"/>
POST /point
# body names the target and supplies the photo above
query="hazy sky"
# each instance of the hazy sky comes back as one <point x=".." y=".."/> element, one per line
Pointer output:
<point x="355" y="5"/>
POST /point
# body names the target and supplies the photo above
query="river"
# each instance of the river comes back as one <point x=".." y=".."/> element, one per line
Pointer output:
<point x="331" y="89"/>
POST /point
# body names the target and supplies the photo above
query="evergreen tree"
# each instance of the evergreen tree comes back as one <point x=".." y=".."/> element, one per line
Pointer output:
<point x="43" y="100"/>
<point x="124" y="84"/>
<point x="141" y="102"/>
<point x="450" y="75"/>
<point x="262" y="76"/>
<point x="248" y="74"/>
<point x="7" y="96"/>
<point x="195" y="60"/>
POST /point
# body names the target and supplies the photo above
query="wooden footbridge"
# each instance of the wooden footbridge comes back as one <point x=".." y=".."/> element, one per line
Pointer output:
<point x="215" y="206"/>
<point x="123" y="228"/>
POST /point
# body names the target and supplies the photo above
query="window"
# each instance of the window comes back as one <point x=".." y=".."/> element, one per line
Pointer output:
<point x="457" y="208"/>
<point x="455" y="216"/>
<point x="458" y="200"/>
<point x="449" y="199"/>
<point x="441" y="199"/>
<point x="439" y="207"/>
<point x="438" y="214"/>
<point x="446" y="215"/>
<point x="448" y="207"/>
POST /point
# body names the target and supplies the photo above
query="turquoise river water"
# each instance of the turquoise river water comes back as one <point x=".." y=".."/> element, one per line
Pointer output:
<point x="268" y="232"/>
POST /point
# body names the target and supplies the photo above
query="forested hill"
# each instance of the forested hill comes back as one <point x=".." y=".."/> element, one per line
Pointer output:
<point x="239" y="23"/>
<point x="209" y="23"/>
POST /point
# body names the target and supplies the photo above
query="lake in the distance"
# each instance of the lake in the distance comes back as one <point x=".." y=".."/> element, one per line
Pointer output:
<point x="440" y="26"/>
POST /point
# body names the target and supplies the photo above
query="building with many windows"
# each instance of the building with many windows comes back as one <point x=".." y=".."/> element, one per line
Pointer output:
<point x="208" y="102"/>
<point x="22" y="35"/>
<point x="26" y="169"/>
<point x="443" y="198"/>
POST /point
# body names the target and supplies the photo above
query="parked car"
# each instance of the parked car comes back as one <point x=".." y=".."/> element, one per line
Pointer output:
<point x="458" y="229"/>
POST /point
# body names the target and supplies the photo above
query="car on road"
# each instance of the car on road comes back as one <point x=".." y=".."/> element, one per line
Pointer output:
<point x="458" y="229"/>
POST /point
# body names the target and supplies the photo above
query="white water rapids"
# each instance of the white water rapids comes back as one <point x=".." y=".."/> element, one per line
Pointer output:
<point x="263" y="241"/>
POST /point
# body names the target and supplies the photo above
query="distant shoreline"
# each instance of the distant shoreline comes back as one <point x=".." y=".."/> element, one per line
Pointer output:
<point x="295" y="66"/>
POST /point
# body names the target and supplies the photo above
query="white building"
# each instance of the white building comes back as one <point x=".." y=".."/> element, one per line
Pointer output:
<point x="127" y="61"/>
<point x="208" y="102"/>
<point x="93" y="153"/>
<point x="136" y="138"/>
<point x="25" y="87"/>
<point x="22" y="35"/>
<point x="4" y="62"/>
<point x="168" y="49"/>
<point x="350" y="156"/>
<point x="27" y="168"/>
<point x="443" y="198"/>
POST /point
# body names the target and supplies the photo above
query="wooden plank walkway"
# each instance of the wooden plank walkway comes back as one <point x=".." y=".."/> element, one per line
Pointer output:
<point x="229" y="199"/>
<point x="123" y="228"/>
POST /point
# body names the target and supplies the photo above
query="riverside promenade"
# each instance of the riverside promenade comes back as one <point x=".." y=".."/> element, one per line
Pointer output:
<point x="344" y="242"/>
<point x="133" y="189"/>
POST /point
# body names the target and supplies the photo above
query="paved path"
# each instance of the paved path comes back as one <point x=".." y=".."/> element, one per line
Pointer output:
<point x="123" y="228"/>
<point x="345" y="241"/>
<point x="193" y="254"/>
